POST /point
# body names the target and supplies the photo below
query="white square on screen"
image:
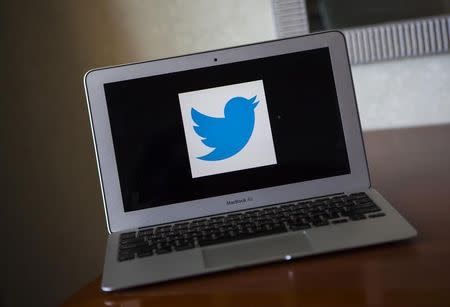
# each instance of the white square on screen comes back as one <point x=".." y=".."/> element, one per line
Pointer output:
<point x="227" y="128"/>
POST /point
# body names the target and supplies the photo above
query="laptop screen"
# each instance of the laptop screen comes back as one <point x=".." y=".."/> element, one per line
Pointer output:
<point x="226" y="129"/>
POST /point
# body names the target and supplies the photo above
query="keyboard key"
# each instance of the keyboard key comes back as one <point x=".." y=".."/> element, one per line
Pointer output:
<point x="377" y="215"/>
<point x="130" y="240"/>
<point x="366" y="210"/>
<point x="339" y="221"/>
<point x="181" y="225"/>
<point x="128" y="235"/>
<point x="145" y="253"/>
<point x="320" y="223"/>
<point x="358" y="195"/>
<point x="163" y="251"/>
<point x="357" y="217"/>
<point x="125" y="256"/>
<point x="145" y="232"/>
<point x="185" y="246"/>
<point x="333" y="216"/>
<point x="297" y="227"/>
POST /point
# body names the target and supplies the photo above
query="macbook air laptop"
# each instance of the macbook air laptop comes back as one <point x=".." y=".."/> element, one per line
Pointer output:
<point x="231" y="158"/>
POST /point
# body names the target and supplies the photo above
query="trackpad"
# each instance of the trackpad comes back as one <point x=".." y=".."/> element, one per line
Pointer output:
<point x="257" y="250"/>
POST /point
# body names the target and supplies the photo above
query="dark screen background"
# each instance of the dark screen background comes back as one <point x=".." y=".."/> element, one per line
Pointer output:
<point x="149" y="140"/>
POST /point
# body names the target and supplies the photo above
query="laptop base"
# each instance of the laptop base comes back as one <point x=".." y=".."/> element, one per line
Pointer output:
<point x="276" y="247"/>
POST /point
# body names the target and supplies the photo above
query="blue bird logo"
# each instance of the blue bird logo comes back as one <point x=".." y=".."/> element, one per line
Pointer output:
<point x="227" y="135"/>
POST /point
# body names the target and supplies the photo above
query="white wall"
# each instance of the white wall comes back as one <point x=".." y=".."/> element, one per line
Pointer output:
<point x="404" y="93"/>
<point x="161" y="28"/>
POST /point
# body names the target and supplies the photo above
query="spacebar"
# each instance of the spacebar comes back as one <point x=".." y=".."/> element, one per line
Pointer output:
<point x="227" y="238"/>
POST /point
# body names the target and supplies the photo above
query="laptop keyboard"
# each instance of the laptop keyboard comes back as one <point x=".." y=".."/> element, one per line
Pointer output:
<point x="246" y="224"/>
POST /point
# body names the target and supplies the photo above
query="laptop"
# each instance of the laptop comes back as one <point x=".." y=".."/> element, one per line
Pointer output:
<point x="232" y="158"/>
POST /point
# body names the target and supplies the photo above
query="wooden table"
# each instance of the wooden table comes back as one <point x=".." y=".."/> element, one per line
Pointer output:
<point x="411" y="168"/>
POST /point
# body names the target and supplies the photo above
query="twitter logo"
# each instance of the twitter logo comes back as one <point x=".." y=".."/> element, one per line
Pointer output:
<point x="227" y="128"/>
<point x="228" y="135"/>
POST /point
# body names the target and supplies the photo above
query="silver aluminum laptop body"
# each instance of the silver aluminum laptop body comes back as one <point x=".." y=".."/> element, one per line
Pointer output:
<point x="151" y="208"/>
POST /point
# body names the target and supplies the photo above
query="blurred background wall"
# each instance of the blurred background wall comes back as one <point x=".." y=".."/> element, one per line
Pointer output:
<point x="52" y="216"/>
